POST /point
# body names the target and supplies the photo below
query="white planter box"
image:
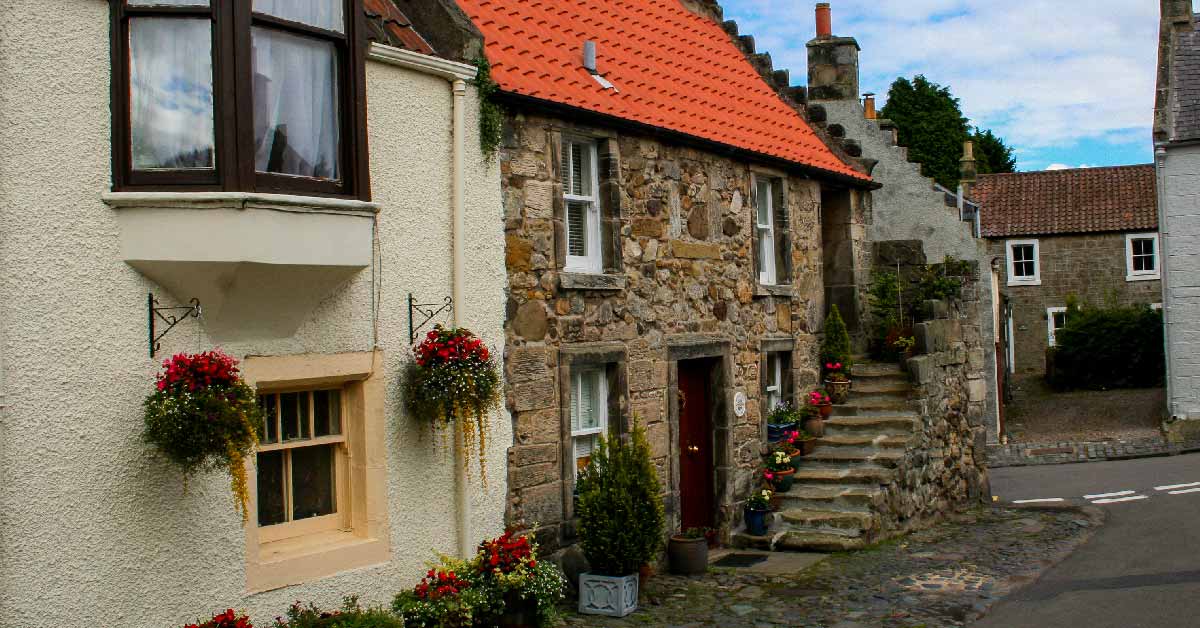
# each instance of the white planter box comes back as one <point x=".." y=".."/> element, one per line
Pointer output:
<point x="606" y="595"/>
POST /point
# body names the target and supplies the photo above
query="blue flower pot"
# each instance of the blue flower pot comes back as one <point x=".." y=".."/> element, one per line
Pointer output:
<point x="778" y="431"/>
<point x="756" y="521"/>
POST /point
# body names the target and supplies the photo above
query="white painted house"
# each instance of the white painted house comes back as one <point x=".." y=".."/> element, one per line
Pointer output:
<point x="299" y="169"/>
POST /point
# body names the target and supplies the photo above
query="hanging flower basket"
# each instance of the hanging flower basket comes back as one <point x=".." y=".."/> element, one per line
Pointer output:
<point x="454" y="378"/>
<point x="203" y="416"/>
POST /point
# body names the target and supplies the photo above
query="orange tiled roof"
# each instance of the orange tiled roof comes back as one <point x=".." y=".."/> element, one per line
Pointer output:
<point x="673" y="69"/>
<point x="1081" y="200"/>
<point x="387" y="25"/>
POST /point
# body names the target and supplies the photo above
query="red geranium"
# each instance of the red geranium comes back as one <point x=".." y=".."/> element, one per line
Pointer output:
<point x="439" y="584"/>
<point x="191" y="372"/>
<point x="228" y="619"/>
<point x="447" y="346"/>
<point x="506" y="553"/>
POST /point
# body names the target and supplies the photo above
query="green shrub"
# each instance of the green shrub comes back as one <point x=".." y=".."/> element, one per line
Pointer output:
<point x="351" y="615"/>
<point x="620" y="506"/>
<point x="1103" y="348"/>
<point x="835" y="346"/>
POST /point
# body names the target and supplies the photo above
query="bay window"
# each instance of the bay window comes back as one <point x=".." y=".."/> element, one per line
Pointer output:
<point x="236" y="95"/>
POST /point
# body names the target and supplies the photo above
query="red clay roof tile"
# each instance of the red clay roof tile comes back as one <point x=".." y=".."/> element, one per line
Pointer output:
<point x="1082" y="200"/>
<point x="386" y="24"/>
<point x="672" y="69"/>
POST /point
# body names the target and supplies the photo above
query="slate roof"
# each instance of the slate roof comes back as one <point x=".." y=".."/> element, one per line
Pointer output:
<point x="673" y="70"/>
<point x="386" y="24"/>
<point x="1082" y="200"/>
<point x="1185" y="85"/>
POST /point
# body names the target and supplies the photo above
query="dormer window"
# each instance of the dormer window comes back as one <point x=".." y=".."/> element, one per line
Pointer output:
<point x="237" y="95"/>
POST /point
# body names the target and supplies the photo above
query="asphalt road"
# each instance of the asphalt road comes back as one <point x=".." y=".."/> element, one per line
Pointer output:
<point x="1142" y="568"/>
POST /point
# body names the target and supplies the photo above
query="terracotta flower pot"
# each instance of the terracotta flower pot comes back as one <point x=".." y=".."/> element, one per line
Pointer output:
<point x="826" y="410"/>
<point x="807" y="447"/>
<point x="815" y="426"/>
<point x="838" y="391"/>
<point x="645" y="572"/>
<point x="783" y="480"/>
<point x="688" y="557"/>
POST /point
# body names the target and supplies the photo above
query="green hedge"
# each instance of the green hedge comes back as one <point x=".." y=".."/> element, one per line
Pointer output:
<point x="1103" y="348"/>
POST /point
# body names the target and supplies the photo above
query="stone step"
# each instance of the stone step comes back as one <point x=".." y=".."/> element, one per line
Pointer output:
<point x="876" y="369"/>
<point x="884" y="385"/>
<point x="882" y="457"/>
<point x="849" y="523"/>
<point x="865" y="439"/>
<point x="878" y="401"/>
<point x="803" y="540"/>
<point x="811" y="473"/>
<point x="879" y="423"/>
<point x="842" y="497"/>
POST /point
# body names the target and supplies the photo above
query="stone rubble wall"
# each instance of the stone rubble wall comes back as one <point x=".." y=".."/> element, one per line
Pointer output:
<point x="945" y="466"/>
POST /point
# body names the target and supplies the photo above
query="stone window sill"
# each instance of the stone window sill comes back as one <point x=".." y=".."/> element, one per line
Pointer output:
<point x="590" y="281"/>
<point x="1018" y="284"/>
<point x="306" y="558"/>
<point x="234" y="200"/>
<point x="761" y="290"/>
<point x="1154" y="277"/>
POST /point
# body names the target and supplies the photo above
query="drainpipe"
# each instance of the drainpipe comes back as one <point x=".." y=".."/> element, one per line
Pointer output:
<point x="462" y="498"/>
<point x="1160" y="173"/>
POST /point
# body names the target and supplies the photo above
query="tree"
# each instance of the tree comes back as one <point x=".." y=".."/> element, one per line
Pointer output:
<point x="930" y="122"/>
<point x="992" y="154"/>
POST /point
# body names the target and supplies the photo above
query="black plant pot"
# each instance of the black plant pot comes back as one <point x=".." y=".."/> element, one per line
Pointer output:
<point x="688" y="557"/>
<point x="518" y="613"/>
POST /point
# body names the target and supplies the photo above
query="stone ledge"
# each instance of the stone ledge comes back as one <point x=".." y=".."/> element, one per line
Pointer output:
<point x="1032" y="454"/>
<point x="589" y="281"/>
<point x="761" y="290"/>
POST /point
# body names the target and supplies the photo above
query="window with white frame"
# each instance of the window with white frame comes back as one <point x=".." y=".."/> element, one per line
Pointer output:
<point x="775" y="387"/>
<point x="765" y="225"/>
<point x="580" y="180"/>
<point x="1024" y="266"/>
<point x="1141" y="256"/>
<point x="589" y="413"/>
<point x="301" y="464"/>
<point x="1056" y="319"/>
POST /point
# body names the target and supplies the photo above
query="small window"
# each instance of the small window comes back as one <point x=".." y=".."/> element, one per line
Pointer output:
<point x="580" y="181"/>
<point x="1023" y="262"/>
<point x="589" y="413"/>
<point x="299" y="462"/>
<point x="1141" y="257"/>
<point x="765" y="224"/>
<point x="773" y="379"/>
<point x="1056" y="319"/>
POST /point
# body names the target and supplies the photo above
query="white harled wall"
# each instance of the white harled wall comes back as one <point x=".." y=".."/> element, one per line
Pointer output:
<point x="1179" y="217"/>
<point x="94" y="526"/>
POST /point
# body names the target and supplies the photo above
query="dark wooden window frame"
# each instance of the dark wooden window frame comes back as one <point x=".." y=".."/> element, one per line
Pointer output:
<point x="233" y="114"/>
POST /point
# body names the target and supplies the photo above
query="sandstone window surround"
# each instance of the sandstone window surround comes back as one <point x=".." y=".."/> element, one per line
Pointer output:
<point x="1024" y="262"/>
<point x="600" y="268"/>
<point x="772" y="234"/>
<point x="218" y="95"/>
<point x="332" y="515"/>
<point x="776" y="367"/>
<point x="581" y="196"/>
<point x="1056" y="319"/>
<point x="1141" y="257"/>
<point x="594" y="390"/>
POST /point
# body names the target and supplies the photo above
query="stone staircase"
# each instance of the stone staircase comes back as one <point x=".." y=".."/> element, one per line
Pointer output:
<point x="840" y="489"/>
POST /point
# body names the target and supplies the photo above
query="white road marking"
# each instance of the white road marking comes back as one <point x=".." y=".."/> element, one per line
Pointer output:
<point x="1039" y="501"/>
<point x="1187" y="490"/>
<point x="1175" y="486"/>
<point x="1120" y="499"/>
<point x="1103" y="495"/>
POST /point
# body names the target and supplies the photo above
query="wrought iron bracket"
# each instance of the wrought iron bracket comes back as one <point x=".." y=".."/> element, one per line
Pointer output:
<point x="427" y="312"/>
<point x="171" y="316"/>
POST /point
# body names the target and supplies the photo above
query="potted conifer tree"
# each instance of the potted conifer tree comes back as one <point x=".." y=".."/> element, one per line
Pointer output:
<point x="620" y="522"/>
<point x="835" y="356"/>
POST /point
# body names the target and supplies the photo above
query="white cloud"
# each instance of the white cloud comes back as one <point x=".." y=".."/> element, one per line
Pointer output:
<point x="1065" y="166"/>
<point x="1041" y="73"/>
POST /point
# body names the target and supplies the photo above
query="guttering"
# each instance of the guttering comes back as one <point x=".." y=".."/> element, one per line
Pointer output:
<point x="449" y="70"/>
<point x="587" y="116"/>
<point x="457" y="74"/>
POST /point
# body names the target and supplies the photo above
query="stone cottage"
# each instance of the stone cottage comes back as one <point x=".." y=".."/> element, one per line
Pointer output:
<point x="666" y="211"/>
<point x="143" y="164"/>
<point x="910" y="220"/>
<point x="1177" y="165"/>
<point x="1090" y="233"/>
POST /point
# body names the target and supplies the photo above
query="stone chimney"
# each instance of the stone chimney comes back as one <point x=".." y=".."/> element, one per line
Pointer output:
<point x="966" y="168"/>
<point x="832" y="61"/>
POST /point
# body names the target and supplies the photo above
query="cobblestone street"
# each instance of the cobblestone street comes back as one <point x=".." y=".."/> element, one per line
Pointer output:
<point x="946" y="575"/>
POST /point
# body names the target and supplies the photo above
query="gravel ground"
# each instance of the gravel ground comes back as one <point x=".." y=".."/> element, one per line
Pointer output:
<point x="946" y="575"/>
<point x="1038" y="414"/>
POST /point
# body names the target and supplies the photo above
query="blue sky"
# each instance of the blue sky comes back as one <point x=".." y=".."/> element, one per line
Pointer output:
<point x="1067" y="83"/>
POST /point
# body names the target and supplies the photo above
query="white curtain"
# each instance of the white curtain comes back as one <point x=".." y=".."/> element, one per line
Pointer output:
<point x="296" y="112"/>
<point x="326" y="14"/>
<point x="171" y="95"/>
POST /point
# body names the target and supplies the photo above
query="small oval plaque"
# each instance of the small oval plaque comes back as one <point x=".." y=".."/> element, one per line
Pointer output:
<point x="739" y="403"/>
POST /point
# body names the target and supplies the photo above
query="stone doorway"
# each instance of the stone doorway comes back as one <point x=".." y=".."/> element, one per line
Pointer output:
<point x="840" y="270"/>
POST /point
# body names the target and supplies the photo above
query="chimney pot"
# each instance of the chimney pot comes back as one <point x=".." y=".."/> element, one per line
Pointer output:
<point x="824" y="21"/>
<point x="869" y="106"/>
<point x="589" y="56"/>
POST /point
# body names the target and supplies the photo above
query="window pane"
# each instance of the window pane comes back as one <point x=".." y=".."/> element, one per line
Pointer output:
<point x="327" y="409"/>
<point x="296" y="111"/>
<point x="764" y="202"/>
<point x="170" y="93"/>
<point x="577" y="168"/>
<point x="584" y="445"/>
<point x="294" y="415"/>
<point x="271" y="509"/>
<point x="577" y="228"/>
<point x="326" y="14"/>
<point x="268" y="403"/>
<point x="312" y="481"/>
<point x="168" y="3"/>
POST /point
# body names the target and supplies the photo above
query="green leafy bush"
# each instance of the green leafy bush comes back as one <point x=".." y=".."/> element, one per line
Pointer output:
<point x="1103" y="348"/>
<point x="835" y="345"/>
<point x="620" y="506"/>
<point x="351" y="615"/>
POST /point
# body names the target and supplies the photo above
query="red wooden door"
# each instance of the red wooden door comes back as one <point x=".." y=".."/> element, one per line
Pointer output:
<point x="695" y="446"/>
